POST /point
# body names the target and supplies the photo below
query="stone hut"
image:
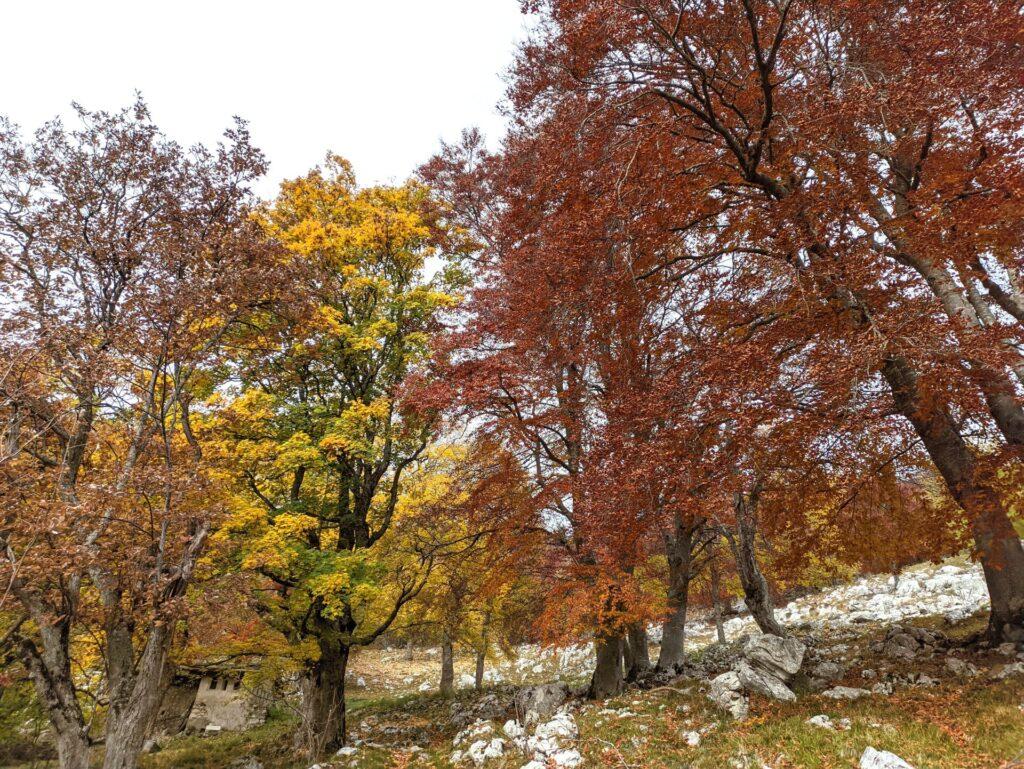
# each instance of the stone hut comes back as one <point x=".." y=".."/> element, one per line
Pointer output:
<point x="202" y="698"/>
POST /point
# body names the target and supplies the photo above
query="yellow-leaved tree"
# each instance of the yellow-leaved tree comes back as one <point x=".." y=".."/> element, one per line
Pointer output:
<point x="322" y="438"/>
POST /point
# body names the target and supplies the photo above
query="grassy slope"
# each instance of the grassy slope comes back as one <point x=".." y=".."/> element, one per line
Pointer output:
<point x="972" y="724"/>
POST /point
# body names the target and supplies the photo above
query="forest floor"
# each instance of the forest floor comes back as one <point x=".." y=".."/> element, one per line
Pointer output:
<point x="943" y="722"/>
<point x="954" y="705"/>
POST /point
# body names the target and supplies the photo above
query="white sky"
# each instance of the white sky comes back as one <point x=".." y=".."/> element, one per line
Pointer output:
<point x="377" y="82"/>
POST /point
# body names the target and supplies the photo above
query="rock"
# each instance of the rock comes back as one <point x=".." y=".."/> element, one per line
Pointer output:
<point x="1003" y="672"/>
<point x="691" y="738"/>
<point x="480" y="730"/>
<point x="568" y="758"/>
<point x="1007" y="649"/>
<point x="361" y="682"/>
<point x="958" y="667"/>
<point x="762" y="682"/>
<point x="425" y="687"/>
<point x="845" y="693"/>
<point x="482" y="751"/>
<point x="881" y="759"/>
<point x="882" y="687"/>
<point x="726" y="693"/>
<point x="777" y="656"/>
<point x="466" y="681"/>
<point x="827" y="671"/>
<point x="347" y="751"/>
<point x="901" y="646"/>
<point x="213" y="729"/>
<point x="542" y="700"/>
<point x="868" y="674"/>
<point x="196" y="723"/>
<point x="246" y="762"/>
<point x="513" y="729"/>
<point x="822" y="721"/>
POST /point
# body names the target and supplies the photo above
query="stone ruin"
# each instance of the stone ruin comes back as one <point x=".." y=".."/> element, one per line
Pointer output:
<point x="211" y="699"/>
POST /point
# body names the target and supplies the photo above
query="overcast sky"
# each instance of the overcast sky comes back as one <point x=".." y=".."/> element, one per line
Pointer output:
<point x="378" y="82"/>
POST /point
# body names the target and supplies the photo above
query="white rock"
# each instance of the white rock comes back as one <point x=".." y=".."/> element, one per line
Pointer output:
<point x="361" y="682"/>
<point x="763" y="682"/>
<point x="692" y="739"/>
<point x="347" y="751"/>
<point x="482" y="751"/>
<point x="425" y="686"/>
<point x="513" y="729"/>
<point x="821" y="721"/>
<point x="568" y="759"/>
<point x="845" y="693"/>
<point x="882" y="759"/>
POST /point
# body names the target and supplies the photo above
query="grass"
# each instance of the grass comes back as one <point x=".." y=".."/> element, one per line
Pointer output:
<point x="971" y="724"/>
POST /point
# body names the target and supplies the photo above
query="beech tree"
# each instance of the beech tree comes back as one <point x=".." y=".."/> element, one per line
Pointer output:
<point x="323" y="437"/>
<point x="859" y="163"/>
<point x="125" y="262"/>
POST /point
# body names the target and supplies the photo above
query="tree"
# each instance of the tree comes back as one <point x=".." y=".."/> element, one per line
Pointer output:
<point x="125" y="262"/>
<point x="325" y="430"/>
<point x="867" y="202"/>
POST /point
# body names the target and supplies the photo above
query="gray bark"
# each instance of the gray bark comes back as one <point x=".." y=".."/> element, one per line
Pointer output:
<point x="998" y="545"/>
<point x="679" y="550"/>
<point x="756" y="592"/>
<point x="447" y="666"/>
<point x="607" y="679"/>
<point x="636" y="651"/>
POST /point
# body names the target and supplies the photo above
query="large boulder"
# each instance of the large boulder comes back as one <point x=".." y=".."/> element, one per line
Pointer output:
<point x="541" y="700"/>
<point x="776" y="656"/>
<point x="760" y="681"/>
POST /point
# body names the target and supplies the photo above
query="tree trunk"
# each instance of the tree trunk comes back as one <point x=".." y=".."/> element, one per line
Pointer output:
<point x="478" y="676"/>
<point x="607" y="679"/>
<point x="637" y="654"/>
<point x="135" y="690"/>
<point x="323" y="699"/>
<point x="678" y="549"/>
<point x="50" y="670"/>
<point x="998" y="546"/>
<point x="481" y="652"/>
<point x="716" y="599"/>
<point x="447" y="666"/>
<point x="756" y="593"/>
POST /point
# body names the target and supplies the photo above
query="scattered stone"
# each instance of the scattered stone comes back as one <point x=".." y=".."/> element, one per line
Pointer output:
<point x="541" y="700"/>
<point x="821" y="721"/>
<point x="482" y="751"/>
<point x="827" y="671"/>
<point x="692" y="739"/>
<point x="726" y="692"/>
<point x="1002" y="672"/>
<point x="960" y="668"/>
<point x="1007" y="649"/>
<point x="347" y="752"/>
<point x="845" y="693"/>
<point x="882" y="759"/>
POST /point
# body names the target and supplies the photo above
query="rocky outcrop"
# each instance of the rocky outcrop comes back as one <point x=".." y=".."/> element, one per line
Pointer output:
<point x="767" y="667"/>
<point x="540" y="701"/>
